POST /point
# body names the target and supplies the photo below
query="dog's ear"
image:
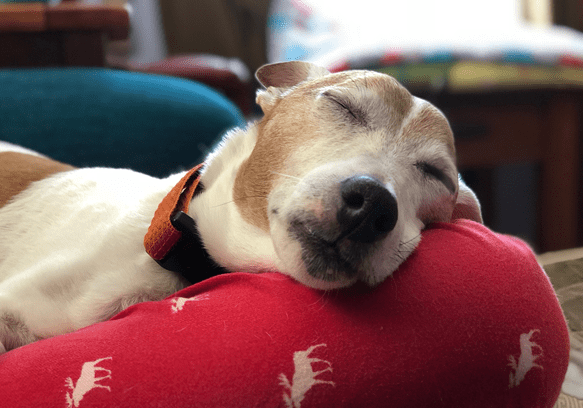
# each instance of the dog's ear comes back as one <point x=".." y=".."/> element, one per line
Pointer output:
<point x="281" y="76"/>
<point x="288" y="74"/>
<point x="467" y="204"/>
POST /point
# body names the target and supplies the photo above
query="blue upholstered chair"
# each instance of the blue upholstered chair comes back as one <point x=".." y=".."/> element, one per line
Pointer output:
<point x="103" y="117"/>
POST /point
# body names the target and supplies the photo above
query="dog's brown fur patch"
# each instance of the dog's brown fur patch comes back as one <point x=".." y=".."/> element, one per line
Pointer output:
<point x="429" y="123"/>
<point x="18" y="170"/>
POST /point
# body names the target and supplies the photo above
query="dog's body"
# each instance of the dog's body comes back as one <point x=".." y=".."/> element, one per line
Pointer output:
<point x="332" y="186"/>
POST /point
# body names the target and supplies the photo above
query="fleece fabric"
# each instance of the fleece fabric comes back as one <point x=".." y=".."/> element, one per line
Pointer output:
<point x="469" y="320"/>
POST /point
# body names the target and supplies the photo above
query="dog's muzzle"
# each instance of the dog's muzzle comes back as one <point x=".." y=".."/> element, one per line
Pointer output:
<point x="336" y="243"/>
<point x="368" y="212"/>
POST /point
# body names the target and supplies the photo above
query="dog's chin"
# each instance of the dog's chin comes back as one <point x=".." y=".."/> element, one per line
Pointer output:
<point x="303" y="277"/>
<point x="319" y="264"/>
<point x="322" y="264"/>
<point x="334" y="275"/>
<point x="316" y="252"/>
<point x="291" y="261"/>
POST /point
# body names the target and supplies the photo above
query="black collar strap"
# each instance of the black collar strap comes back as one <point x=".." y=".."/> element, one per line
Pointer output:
<point x="172" y="239"/>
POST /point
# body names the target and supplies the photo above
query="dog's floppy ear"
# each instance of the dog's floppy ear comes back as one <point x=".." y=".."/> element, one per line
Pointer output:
<point x="467" y="204"/>
<point x="288" y="74"/>
<point x="279" y="77"/>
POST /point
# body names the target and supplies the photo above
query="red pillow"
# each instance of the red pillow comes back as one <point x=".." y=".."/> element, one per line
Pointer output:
<point x="469" y="320"/>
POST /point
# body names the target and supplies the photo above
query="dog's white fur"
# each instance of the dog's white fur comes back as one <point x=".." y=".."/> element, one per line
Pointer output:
<point x="71" y="245"/>
<point x="10" y="147"/>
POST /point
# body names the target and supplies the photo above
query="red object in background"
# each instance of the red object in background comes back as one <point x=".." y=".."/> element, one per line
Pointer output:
<point x="339" y="66"/>
<point x="571" y="61"/>
<point x="392" y="58"/>
<point x="227" y="75"/>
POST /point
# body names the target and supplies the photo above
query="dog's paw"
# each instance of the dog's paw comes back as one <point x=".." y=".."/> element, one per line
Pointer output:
<point x="2" y="348"/>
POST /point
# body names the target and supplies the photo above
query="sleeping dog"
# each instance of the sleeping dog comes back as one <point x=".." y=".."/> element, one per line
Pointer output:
<point x="332" y="186"/>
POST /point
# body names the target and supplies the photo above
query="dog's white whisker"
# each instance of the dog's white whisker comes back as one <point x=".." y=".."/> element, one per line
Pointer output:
<point x="220" y="205"/>
<point x="285" y="175"/>
<point x="238" y="198"/>
<point x="404" y="243"/>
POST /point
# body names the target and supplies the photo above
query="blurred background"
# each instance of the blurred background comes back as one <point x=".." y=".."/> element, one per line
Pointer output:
<point x="507" y="73"/>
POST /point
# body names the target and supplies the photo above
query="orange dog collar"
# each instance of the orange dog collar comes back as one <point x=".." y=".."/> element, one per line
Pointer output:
<point x="172" y="239"/>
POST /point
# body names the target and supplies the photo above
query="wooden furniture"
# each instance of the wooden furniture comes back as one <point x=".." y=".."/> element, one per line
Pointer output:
<point x="233" y="29"/>
<point x="538" y="126"/>
<point x="68" y="34"/>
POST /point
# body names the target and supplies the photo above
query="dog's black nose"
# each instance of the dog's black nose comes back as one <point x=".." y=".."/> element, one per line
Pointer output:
<point x="368" y="211"/>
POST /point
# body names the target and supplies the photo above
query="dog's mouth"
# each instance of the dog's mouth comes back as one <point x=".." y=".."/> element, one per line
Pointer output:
<point x="340" y="233"/>
<point x="327" y="253"/>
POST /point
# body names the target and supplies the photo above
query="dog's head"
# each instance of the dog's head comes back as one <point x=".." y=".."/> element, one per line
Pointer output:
<point x="345" y="172"/>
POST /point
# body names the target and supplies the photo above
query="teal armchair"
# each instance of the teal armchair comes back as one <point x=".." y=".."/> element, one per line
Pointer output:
<point x="102" y="117"/>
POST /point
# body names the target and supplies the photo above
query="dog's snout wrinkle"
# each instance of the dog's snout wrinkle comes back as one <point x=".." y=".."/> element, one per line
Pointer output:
<point x="368" y="211"/>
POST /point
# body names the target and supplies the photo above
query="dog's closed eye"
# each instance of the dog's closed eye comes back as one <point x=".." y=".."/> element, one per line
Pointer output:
<point x="432" y="171"/>
<point x="354" y="114"/>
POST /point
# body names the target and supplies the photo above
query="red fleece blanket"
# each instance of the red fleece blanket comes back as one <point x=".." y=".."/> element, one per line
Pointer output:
<point x="469" y="320"/>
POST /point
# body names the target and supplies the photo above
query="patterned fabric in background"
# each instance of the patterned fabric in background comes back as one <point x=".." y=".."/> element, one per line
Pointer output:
<point x="567" y="279"/>
<point x="458" y="55"/>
